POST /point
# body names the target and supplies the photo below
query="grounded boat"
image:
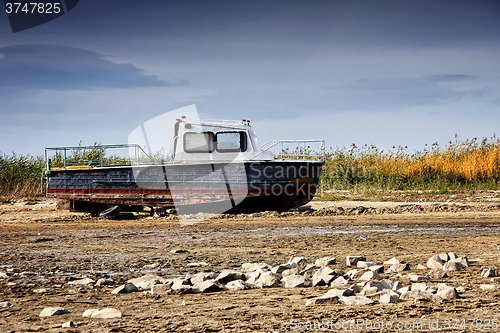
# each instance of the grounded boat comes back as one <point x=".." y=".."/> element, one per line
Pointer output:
<point x="214" y="166"/>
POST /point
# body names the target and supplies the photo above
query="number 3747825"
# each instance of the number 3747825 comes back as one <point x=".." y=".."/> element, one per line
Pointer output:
<point x="32" y="8"/>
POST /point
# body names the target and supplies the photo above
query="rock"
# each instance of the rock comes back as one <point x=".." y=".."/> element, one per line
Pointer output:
<point x="104" y="282"/>
<point x="392" y="261"/>
<point x="419" y="286"/>
<point x="353" y="260"/>
<point x="311" y="269"/>
<point x="453" y="266"/>
<point x="125" y="288"/>
<point x="399" y="267"/>
<point x="417" y="278"/>
<point x="446" y="292"/>
<point x="293" y="281"/>
<point x="4" y="275"/>
<point x="397" y="285"/>
<point x="178" y="283"/>
<point x="82" y="282"/>
<point x="301" y="262"/>
<point x="323" y="300"/>
<point x="253" y="277"/>
<point x="443" y="256"/>
<point x="370" y="275"/>
<point x="43" y="290"/>
<point x="435" y="262"/>
<point x="368" y="290"/>
<point x="200" y="277"/>
<point x="325" y="261"/>
<point x="206" y="287"/>
<point x="237" y="285"/>
<point x="161" y="289"/>
<point x="388" y="298"/>
<point x="452" y="256"/>
<point x="290" y="271"/>
<point x="488" y="287"/>
<point x="420" y="295"/>
<point x="52" y="311"/>
<point x="107" y="313"/>
<point x="437" y="274"/>
<point x="355" y="274"/>
<point x="339" y="292"/>
<point x="147" y="281"/>
<point x="422" y="267"/>
<point x="267" y="280"/>
<point x="365" y="264"/>
<point x="489" y="272"/>
<point x="227" y="276"/>
<point x="464" y="261"/>
<point x="377" y="268"/>
<point x="68" y="324"/>
<point x="151" y="266"/>
<point x="197" y="264"/>
<point x="280" y="268"/>
<point x="179" y="251"/>
<point x="323" y="276"/>
<point x="381" y="284"/>
<point x="356" y="300"/>
<point x="339" y="282"/>
<point x="356" y="288"/>
<point x="5" y="304"/>
<point x="252" y="267"/>
<point x="89" y="312"/>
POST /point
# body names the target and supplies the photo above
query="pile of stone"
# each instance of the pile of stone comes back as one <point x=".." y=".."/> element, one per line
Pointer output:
<point x="366" y="282"/>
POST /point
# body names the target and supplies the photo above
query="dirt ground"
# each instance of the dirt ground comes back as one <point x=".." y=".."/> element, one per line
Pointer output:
<point x="42" y="247"/>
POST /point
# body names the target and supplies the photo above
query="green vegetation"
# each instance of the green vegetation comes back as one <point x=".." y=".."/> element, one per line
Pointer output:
<point x="461" y="166"/>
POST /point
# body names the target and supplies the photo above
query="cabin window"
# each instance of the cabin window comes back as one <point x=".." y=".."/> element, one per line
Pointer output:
<point x="231" y="141"/>
<point x="198" y="142"/>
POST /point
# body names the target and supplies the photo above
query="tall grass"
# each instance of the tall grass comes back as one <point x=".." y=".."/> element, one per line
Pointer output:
<point x="20" y="175"/>
<point x="460" y="165"/>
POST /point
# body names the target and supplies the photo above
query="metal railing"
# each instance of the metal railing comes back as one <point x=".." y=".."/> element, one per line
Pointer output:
<point x="302" y="150"/>
<point x="91" y="156"/>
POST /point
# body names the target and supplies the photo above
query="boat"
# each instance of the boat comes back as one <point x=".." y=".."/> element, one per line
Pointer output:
<point x="214" y="166"/>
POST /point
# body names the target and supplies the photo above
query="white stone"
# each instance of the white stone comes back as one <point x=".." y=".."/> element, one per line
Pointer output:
<point x="89" y="312"/>
<point x="323" y="276"/>
<point x="353" y="260"/>
<point x="228" y="275"/>
<point x="197" y="264"/>
<point x="52" y="311"/>
<point x="370" y="275"/>
<point x="293" y="281"/>
<point x="252" y="267"/>
<point x="447" y="292"/>
<point x="82" y="282"/>
<point x="4" y="275"/>
<point x="147" y="281"/>
<point x="489" y="272"/>
<point x="392" y="261"/>
<point x="323" y="300"/>
<point x="43" y="290"/>
<point x="388" y="298"/>
<point x="5" y="304"/>
<point x="419" y="286"/>
<point x="417" y="278"/>
<point x="443" y="256"/>
<point x="290" y="271"/>
<point x="399" y="267"/>
<point x="377" y="268"/>
<point x="125" y="288"/>
<point x="253" y="277"/>
<point x="161" y="289"/>
<point x="107" y="313"/>
<point x="237" y="285"/>
<point x="339" y="282"/>
<point x="365" y="264"/>
<point x="356" y="300"/>
<point x="452" y="256"/>
<point x="325" y="261"/>
<point x="280" y="268"/>
<point x="435" y="262"/>
<point x="301" y="262"/>
<point x="104" y="282"/>
<point x="267" y="280"/>
<point x="453" y="266"/>
<point x="339" y="292"/>
<point x="488" y="287"/>
<point x="206" y="287"/>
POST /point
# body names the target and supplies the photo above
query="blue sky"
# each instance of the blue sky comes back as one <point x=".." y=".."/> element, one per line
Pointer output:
<point x="401" y="72"/>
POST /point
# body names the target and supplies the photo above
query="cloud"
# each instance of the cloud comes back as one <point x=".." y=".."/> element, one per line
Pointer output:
<point x="365" y="95"/>
<point x="42" y="67"/>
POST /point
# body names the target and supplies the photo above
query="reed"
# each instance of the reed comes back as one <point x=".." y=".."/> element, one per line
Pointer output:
<point x="20" y="176"/>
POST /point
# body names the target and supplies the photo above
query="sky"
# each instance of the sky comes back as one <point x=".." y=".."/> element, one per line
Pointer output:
<point x="385" y="72"/>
